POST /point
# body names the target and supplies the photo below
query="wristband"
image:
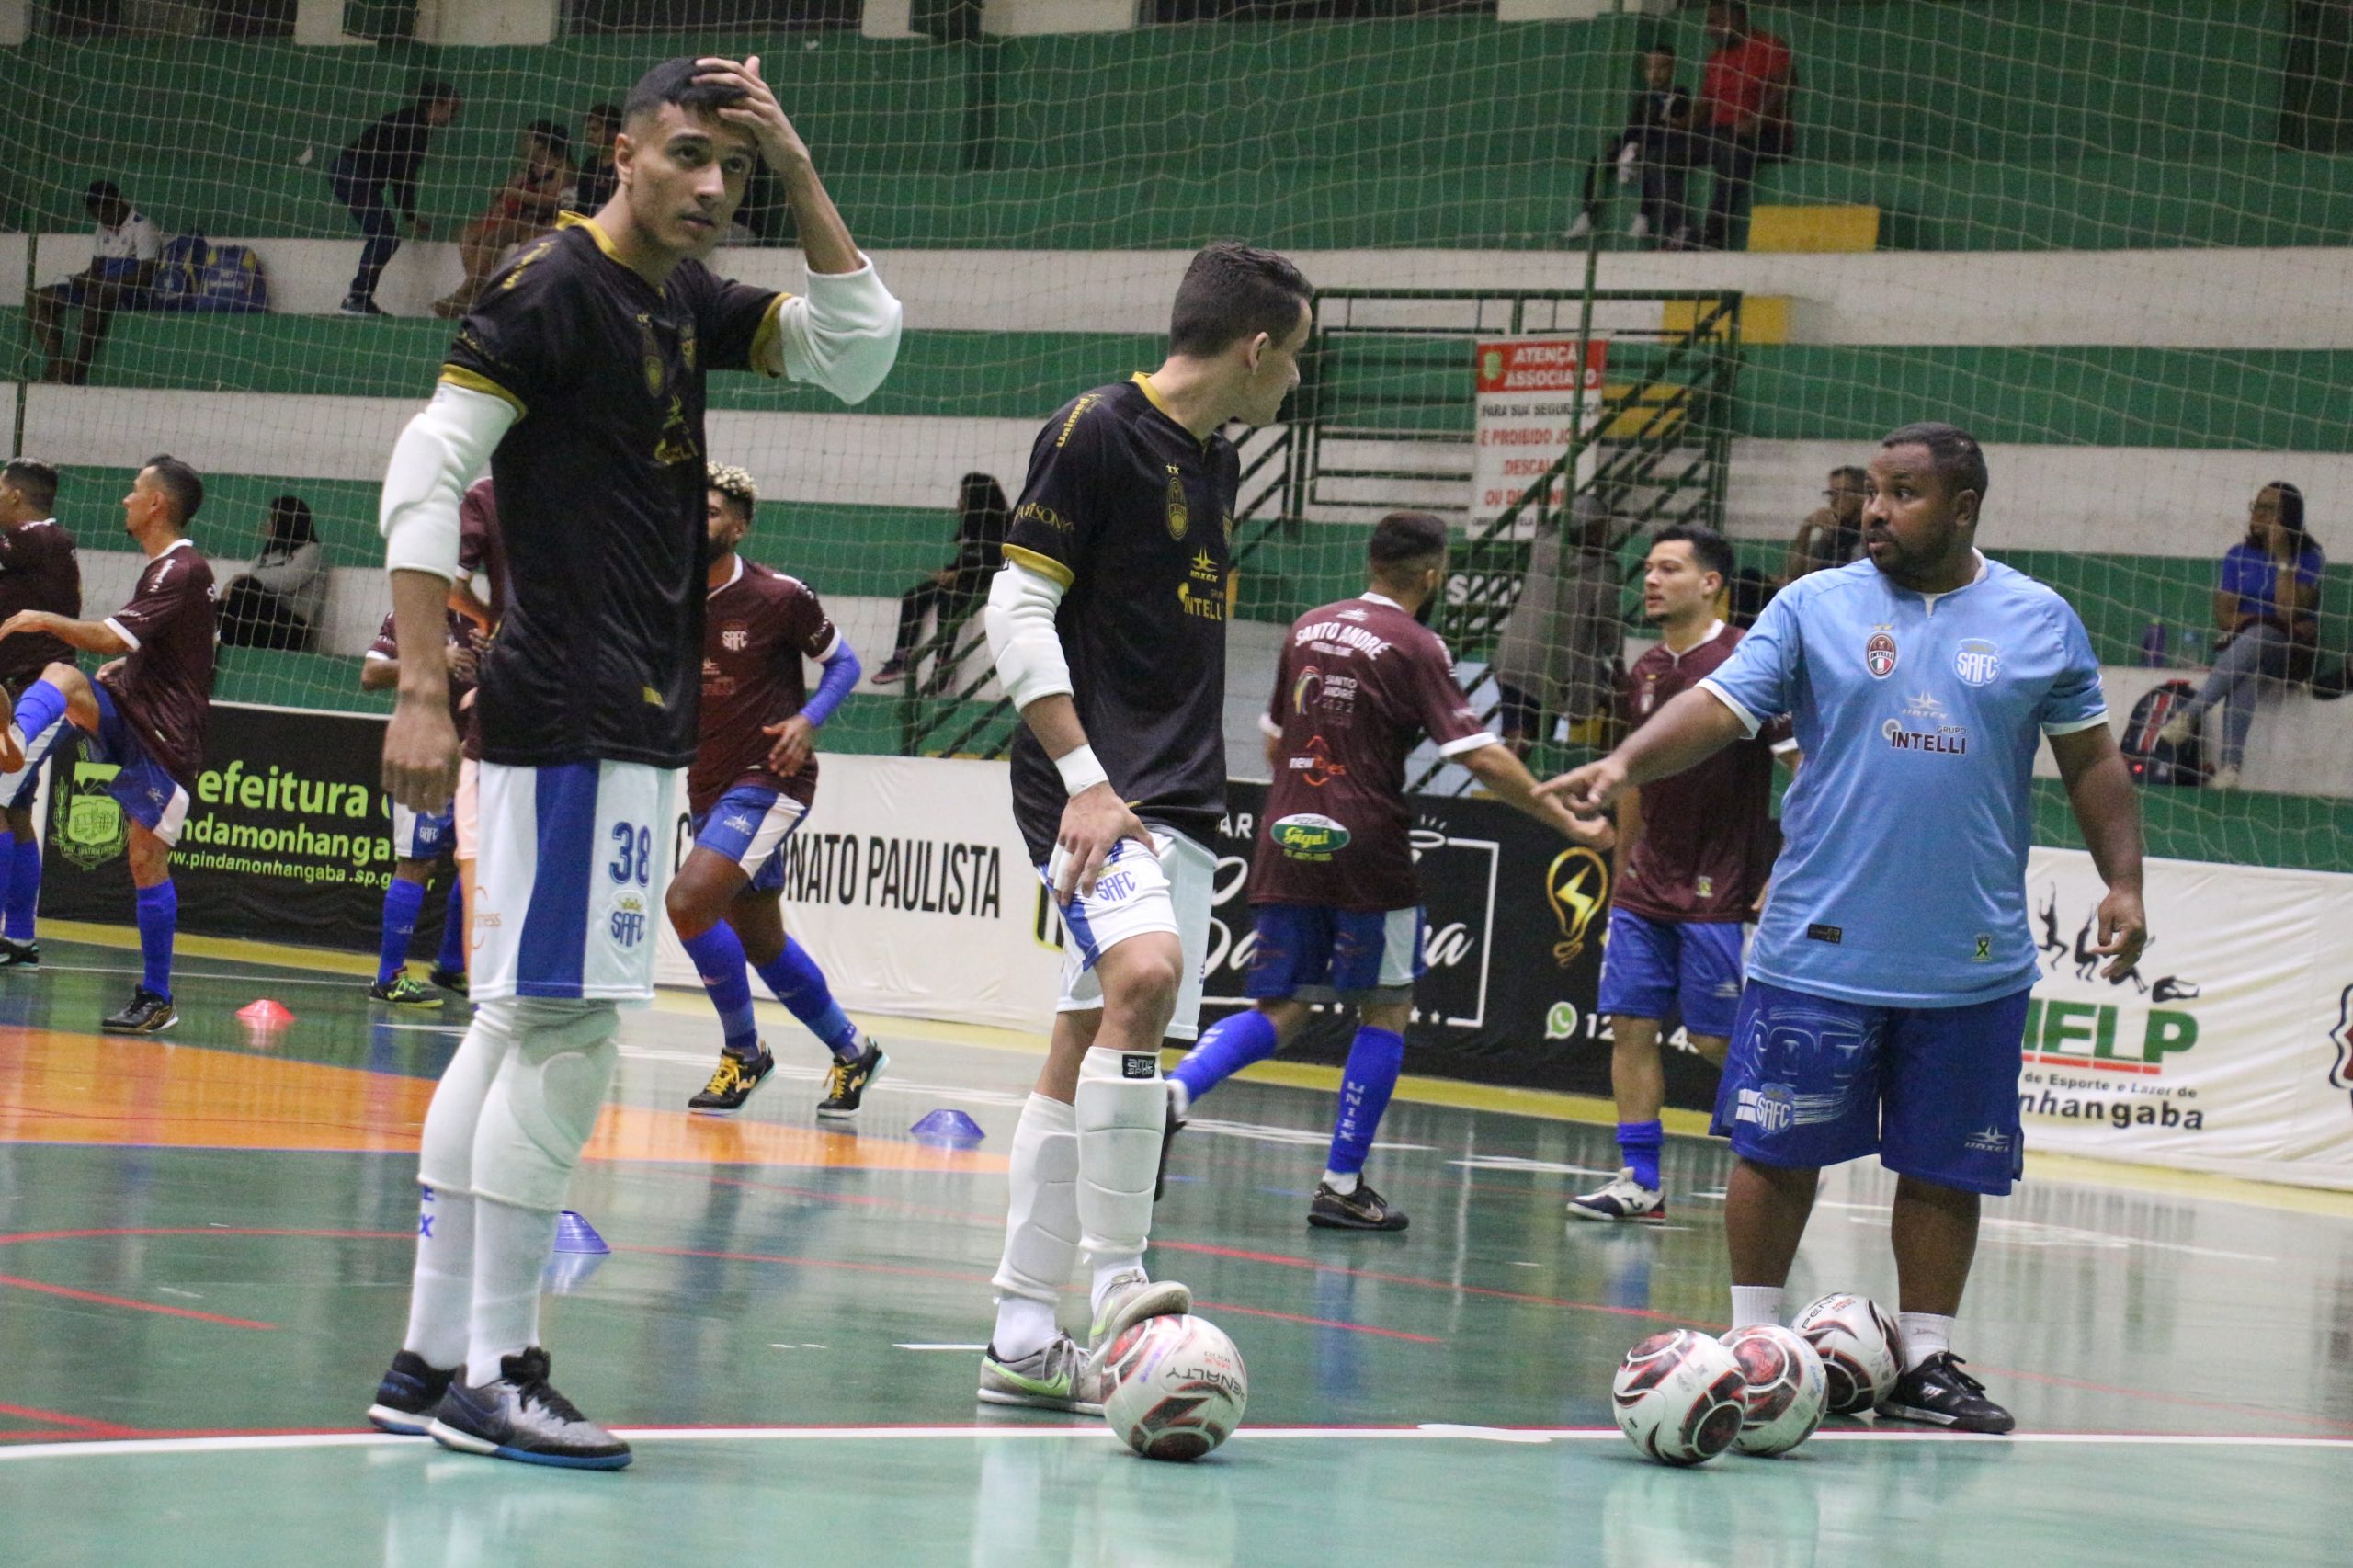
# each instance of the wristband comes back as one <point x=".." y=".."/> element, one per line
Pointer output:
<point x="1080" y="770"/>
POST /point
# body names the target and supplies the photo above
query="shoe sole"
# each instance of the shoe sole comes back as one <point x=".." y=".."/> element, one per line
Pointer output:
<point x="408" y="1001"/>
<point x="1340" y="1223"/>
<point x="399" y="1423"/>
<point x="1579" y="1211"/>
<point x="171" y="1023"/>
<point x="845" y="1113"/>
<point x="450" y="1437"/>
<point x="1937" y="1418"/>
<point x="1037" y="1402"/>
<point x="1145" y="1303"/>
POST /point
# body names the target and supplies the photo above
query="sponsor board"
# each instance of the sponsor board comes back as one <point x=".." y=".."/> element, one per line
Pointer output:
<point x="1533" y="394"/>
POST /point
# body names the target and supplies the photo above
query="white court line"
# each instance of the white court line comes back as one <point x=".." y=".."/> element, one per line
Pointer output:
<point x="1097" y="1431"/>
<point x="357" y="983"/>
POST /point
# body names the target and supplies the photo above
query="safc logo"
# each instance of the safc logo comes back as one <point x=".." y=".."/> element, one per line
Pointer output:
<point x="1879" y="654"/>
<point x="1978" y="663"/>
<point x="734" y="637"/>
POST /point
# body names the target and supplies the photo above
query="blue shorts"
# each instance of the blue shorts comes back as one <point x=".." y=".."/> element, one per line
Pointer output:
<point x="151" y="796"/>
<point x="1650" y="966"/>
<point x="1315" y="953"/>
<point x="748" y="825"/>
<point x="423" y="835"/>
<point x="1813" y="1081"/>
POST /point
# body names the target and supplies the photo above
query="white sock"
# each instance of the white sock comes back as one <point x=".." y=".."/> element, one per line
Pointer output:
<point x="1120" y="1122"/>
<point x="1023" y="1325"/>
<point x="1756" y="1304"/>
<point x="1343" y="1184"/>
<point x="1180" y="1098"/>
<point x="1040" y="1226"/>
<point x="1925" y="1334"/>
<point x="441" y="1292"/>
<point x="511" y="1248"/>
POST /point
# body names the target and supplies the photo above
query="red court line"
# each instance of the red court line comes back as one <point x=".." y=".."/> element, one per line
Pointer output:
<point x="1318" y="1323"/>
<point x="1287" y="1261"/>
<point x="78" y="1425"/>
<point x="106" y="1301"/>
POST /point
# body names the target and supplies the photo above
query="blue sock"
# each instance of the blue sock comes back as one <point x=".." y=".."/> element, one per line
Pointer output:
<point x="41" y="705"/>
<point x="402" y="901"/>
<point x="452" y="957"/>
<point x="24" y="889"/>
<point x="719" y="959"/>
<point x="7" y="866"/>
<point x="1374" y="1061"/>
<point x="1639" y="1142"/>
<point x="159" y="917"/>
<point x="801" y="985"/>
<point x="1230" y="1044"/>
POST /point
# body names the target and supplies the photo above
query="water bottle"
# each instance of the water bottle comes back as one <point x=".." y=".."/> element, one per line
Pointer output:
<point x="2153" y="645"/>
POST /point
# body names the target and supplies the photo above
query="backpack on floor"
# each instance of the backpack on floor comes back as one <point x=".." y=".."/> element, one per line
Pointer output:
<point x="2153" y="760"/>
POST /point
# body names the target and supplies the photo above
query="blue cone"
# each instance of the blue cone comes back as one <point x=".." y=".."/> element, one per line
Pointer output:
<point x="948" y="1127"/>
<point x="573" y="1234"/>
<point x="568" y="1271"/>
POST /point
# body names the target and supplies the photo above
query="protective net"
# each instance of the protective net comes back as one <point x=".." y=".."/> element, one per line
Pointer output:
<point x="2098" y="232"/>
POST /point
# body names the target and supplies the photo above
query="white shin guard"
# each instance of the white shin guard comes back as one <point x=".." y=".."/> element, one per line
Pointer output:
<point x="1123" y="1111"/>
<point x="543" y="1104"/>
<point x="1041" y="1218"/>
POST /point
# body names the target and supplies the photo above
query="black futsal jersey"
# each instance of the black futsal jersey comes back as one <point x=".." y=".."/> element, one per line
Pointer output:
<point x="1134" y="517"/>
<point x="600" y="484"/>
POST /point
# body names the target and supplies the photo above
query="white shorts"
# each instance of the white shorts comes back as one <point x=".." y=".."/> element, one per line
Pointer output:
<point x="467" y="809"/>
<point x="420" y="835"/>
<point x="1136" y="894"/>
<point x="569" y="881"/>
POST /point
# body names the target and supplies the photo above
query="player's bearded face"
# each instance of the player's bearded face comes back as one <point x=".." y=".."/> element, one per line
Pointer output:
<point x="683" y="176"/>
<point x="725" y="525"/>
<point x="1911" y="519"/>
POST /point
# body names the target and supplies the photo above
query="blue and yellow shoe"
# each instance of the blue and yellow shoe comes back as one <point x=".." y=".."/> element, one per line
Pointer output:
<point x="846" y="1082"/>
<point x="732" y="1082"/>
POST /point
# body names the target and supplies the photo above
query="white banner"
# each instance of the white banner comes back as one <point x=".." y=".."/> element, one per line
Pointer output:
<point x="910" y="887"/>
<point x="2230" y="1050"/>
<point x="1533" y="394"/>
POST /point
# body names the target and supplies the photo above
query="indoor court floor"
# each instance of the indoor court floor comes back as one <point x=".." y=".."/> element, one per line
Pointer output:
<point x="204" y="1254"/>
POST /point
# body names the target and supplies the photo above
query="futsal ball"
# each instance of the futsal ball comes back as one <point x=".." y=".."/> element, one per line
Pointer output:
<point x="1859" y="1349"/>
<point x="1679" y="1397"/>
<point x="1173" y="1388"/>
<point x="1788" y="1389"/>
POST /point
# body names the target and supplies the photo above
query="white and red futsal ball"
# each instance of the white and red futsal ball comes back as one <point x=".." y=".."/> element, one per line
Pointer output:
<point x="1173" y="1388"/>
<point x="1860" y="1346"/>
<point x="1788" y="1390"/>
<point x="1679" y="1397"/>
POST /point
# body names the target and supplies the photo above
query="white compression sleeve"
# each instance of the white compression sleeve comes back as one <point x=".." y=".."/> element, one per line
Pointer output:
<point x="844" y="335"/>
<point x="1022" y="638"/>
<point x="441" y="451"/>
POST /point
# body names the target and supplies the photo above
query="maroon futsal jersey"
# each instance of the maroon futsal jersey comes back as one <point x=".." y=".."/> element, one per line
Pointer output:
<point x="1708" y="838"/>
<point x="481" y="555"/>
<point x="37" y="571"/>
<point x="165" y="688"/>
<point x="1359" y="683"/>
<point x="757" y="628"/>
<point x="461" y="632"/>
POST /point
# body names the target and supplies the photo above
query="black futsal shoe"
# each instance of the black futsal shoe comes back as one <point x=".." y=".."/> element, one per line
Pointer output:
<point x="146" y="1014"/>
<point x="521" y="1417"/>
<point x="1939" y="1393"/>
<point x="846" y="1082"/>
<point x="732" y="1082"/>
<point x="1363" y="1209"/>
<point x="18" y="955"/>
<point x="407" y="1398"/>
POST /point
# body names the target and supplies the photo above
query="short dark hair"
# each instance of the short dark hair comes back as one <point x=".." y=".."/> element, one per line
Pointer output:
<point x="1405" y="539"/>
<point x="610" y="113"/>
<point x="1231" y="292"/>
<point x="1854" y="471"/>
<point x="32" y="479"/>
<point x="434" y="90"/>
<point x="673" y="82"/>
<point x="551" y="134"/>
<point x="1960" y="460"/>
<point x="179" y="482"/>
<point x="1709" y="547"/>
<point x="99" y="191"/>
<point x="290" y="523"/>
<point x="1659" y="46"/>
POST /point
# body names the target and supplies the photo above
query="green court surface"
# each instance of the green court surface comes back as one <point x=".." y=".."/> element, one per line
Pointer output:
<point x="204" y="1257"/>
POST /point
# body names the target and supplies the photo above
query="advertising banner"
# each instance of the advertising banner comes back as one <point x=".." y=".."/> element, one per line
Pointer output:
<point x="1534" y="393"/>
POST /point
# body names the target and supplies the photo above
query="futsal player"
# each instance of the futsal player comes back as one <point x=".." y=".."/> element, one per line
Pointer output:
<point x="1694" y="853"/>
<point x="145" y="712"/>
<point x="421" y="840"/>
<point x="1340" y="910"/>
<point x="754" y="777"/>
<point x="1887" y="987"/>
<point x="478" y="593"/>
<point x="579" y="376"/>
<point x="37" y="571"/>
<point x="1108" y="625"/>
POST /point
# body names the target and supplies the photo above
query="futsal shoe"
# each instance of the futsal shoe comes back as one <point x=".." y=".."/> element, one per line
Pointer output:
<point x="401" y="991"/>
<point x="1130" y="1299"/>
<point x="18" y="955"/>
<point x="891" y="672"/>
<point x="1178" y="1104"/>
<point x="1056" y="1376"/>
<point x="519" y="1416"/>
<point x="732" y="1082"/>
<point x="1939" y="1393"/>
<point x="451" y="979"/>
<point x="409" y="1394"/>
<point x="1363" y="1209"/>
<point x="846" y="1082"/>
<point x="1623" y="1198"/>
<point x="145" y="1014"/>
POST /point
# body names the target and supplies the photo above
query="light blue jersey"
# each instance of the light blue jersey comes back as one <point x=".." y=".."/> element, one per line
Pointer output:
<point x="1901" y="877"/>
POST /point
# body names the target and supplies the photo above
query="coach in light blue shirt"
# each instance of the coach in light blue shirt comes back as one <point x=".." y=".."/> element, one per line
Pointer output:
<point x="1887" y="988"/>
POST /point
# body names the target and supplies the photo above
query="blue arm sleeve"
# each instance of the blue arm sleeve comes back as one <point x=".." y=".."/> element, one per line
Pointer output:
<point x="842" y="672"/>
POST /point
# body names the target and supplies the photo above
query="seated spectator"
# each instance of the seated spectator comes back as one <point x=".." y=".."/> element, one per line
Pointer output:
<point x="1558" y="654"/>
<point x="2266" y="618"/>
<point x="385" y="160"/>
<point x="124" y="249"/>
<point x="597" y="179"/>
<point x="1655" y="148"/>
<point x="1833" y="536"/>
<point x="1743" y="113"/>
<point x="527" y="204"/>
<point x="955" y="590"/>
<point x="275" y="603"/>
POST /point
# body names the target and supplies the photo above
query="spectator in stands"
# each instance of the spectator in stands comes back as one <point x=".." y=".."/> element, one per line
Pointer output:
<point x="526" y="205"/>
<point x="955" y="590"/>
<point x="595" y="184"/>
<point x="1743" y="113"/>
<point x="386" y="157"/>
<point x="2267" y="612"/>
<point x="1655" y="147"/>
<point x="124" y="249"/>
<point x="1558" y="654"/>
<point x="1833" y="536"/>
<point x="275" y="603"/>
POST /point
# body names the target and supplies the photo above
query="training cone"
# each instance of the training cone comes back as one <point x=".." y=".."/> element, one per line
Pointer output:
<point x="568" y="1271"/>
<point x="573" y="1234"/>
<point x="948" y="1127"/>
<point x="265" y="1015"/>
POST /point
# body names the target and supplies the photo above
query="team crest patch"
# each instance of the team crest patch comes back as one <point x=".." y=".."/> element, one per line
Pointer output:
<point x="1180" y="511"/>
<point x="628" y="917"/>
<point x="734" y="637"/>
<point x="1879" y="655"/>
<point x="1977" y="663"/>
